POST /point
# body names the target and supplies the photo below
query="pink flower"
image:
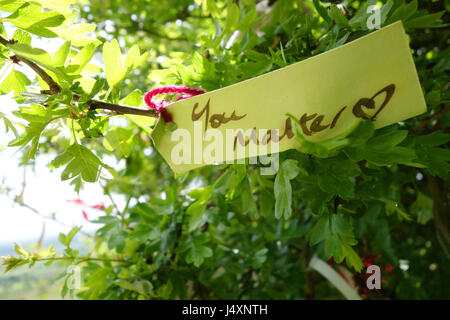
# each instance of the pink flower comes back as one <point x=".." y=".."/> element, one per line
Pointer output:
<point x="83" y="205"/>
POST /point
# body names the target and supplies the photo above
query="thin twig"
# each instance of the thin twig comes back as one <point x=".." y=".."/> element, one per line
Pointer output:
<point x="426" y="122"/>
<point x="154" y="33"/>
<point x="55" y="89"/>
<point x="23" y="204"/>
<point x="86" y="259"/>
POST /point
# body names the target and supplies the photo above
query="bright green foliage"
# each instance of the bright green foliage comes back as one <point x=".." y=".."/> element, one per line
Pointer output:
<point x="423" y="208"/>
<point x="226" y="231"/>
<point x="115" y="68"/>
<point x="383" y="149"/>
<point x="80" y="161"/>
<point x="31" y="18"/>
<point x="283" y="190"/>
<point x="338" y="236"/>
<point x="38" y="119"/>
<point x="15" y="81"/>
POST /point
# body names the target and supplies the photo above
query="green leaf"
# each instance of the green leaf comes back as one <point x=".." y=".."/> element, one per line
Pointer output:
<point x="317" y="196"/>
<point x="352" y="259"/>
<point x="238" y="174"/>
<point x="424" y="21"/>
<point x="248" y="201"/>
<point x="283" y="190"/>
<point x="35" y="98"/>
<point x="403" y="12"/>
<point x="232" y="17"/>
<point x="29" y="17"/>
<point x="434" y="158"/>
<point x="197" y="255"/>
<point x="60" y="56"/>
<point x="21" y="251"/>
<point x="321" y="10"/>
<point x="120" y="140"/>
<point x="50" y="251"/>
<point x="67" y="239"/>
<point x="112" y="58"/>
<point x="16" y="81"/>
<point x="383" y="149"/>
<point x="38" y="118"/>
<point x="81" y="161"/>
<point x="196" y="210"/>
<point x="320" y="231"/>
<point x="337" y="15"/>
<point x="393" y="207"/>
<point x="336" y="176"/>
<point x="22" y="37"/>
<point x="38" y="56"/>
<point x="10" y="5"/>
<point x="132" y="57"/>
<point x="76" y="34"/>
<point x="422" y="208"/>
<point x="135" y="99"/>
<point x="258" y="63"/>
<point x="326" y="148"/>
<point x="359" y="19"/>
<point x="337" y="233"/>
<point x="93" y="126"/>
<point x="259" y="258"/>
<point x="8" y="125"/>
<point x="143" y="287"/>
<point x="61" y="6"/>
<point x="211" y="7"/>
<point x="81" y="59"/>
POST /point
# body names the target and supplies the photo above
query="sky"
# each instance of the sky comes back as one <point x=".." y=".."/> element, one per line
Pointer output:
<point x="44" y="189"/>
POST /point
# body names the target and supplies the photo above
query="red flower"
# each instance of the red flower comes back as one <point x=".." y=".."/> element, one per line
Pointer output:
<point x="98" y="206"/>
<point x="83" y="205"/>
<point x="85" y="216"/>
<point x="77" y="201"/>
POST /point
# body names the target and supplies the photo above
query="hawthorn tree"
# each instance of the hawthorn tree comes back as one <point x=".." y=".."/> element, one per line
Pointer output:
<point x="227" y="232"/>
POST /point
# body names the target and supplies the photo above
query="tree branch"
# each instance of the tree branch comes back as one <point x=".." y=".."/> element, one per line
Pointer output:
<point x="426" y="122"/>
<point x="55" y="89"/>
<point x="156" y="34"/>
<point x="441" y="208"/>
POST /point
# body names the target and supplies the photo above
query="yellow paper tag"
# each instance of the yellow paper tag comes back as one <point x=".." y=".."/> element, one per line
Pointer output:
<point x="373" y="77"/>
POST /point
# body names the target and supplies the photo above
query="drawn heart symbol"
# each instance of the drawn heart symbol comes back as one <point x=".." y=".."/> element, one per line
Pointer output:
<point x="369" y="103"/>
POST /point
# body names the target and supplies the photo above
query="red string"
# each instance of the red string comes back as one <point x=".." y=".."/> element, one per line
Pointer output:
<point x="159" y="106"/>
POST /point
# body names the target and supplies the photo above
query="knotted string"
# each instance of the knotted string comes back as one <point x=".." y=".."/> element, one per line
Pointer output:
<point x="160" y="106"/>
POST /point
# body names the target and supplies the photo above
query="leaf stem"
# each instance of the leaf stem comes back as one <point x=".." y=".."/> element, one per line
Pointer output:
<point x="108" y="92"/>
<point x="73" y="132"/>
<point x="5" y="70"/>
<point x="84" y="259"/>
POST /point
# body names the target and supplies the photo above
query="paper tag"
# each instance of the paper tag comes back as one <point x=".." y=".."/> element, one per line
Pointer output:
<point x="373" y="77"/>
